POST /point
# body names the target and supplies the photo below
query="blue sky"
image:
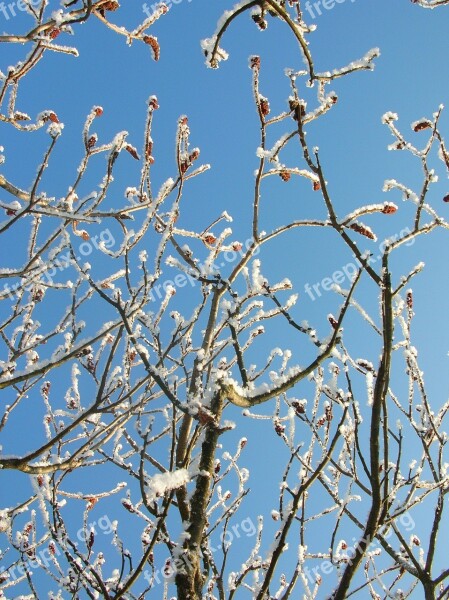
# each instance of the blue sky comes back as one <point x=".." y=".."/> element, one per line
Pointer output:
<point x="410" y="78"/>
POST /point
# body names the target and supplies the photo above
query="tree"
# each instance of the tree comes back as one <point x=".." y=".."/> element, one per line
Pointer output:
<point x="135" y="363"/>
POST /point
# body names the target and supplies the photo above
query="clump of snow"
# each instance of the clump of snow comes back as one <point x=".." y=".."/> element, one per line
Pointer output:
<point x="389" y="116"/>
<point x="5" y="521"/>
<point x="207" y="45"/>
<point x="55" y="129"/>
<point x="161" y="483"/>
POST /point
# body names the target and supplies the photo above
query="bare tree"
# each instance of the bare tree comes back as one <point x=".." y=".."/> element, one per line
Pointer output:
<point x="146" y="393"/>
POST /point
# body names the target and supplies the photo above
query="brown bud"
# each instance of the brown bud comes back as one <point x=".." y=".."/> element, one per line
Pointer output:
<point x="38" y="295"/>
<point x="127" y="504"/>
<point x="91" y="503"/>
<point x="209" y="239"/>
<point x="298" y="108"/>
<point x="50" y="116"/>
<point x="53" y="33"/>
<point x="91" y="364"/>
<point x="148" y="150"/>
<point x="110" y="5"/>
<point x="264" y="107"/>
<point x="254" y="62"/>
<point x="153" y="103"/>
<point x="154" y="45"/>
<point x="132" y="151"/>
<point x="259" y="21"/>
<point x="299" y="407"/>
<point x="362" y="230"/>
<point x="364" y="364"/>
<point x="194" y="155"/>
<point x="389" y="209"/>
<point x="91" y="540"/>
<point x="19" y="116"/>
<point x="279" y="429"/>
<point x="84" y="352"/>
<point x="332" y="321"/>
<point x="424" y="124"/>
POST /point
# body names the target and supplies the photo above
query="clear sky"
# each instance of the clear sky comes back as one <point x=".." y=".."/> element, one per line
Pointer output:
<point x="410" y="78"/>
